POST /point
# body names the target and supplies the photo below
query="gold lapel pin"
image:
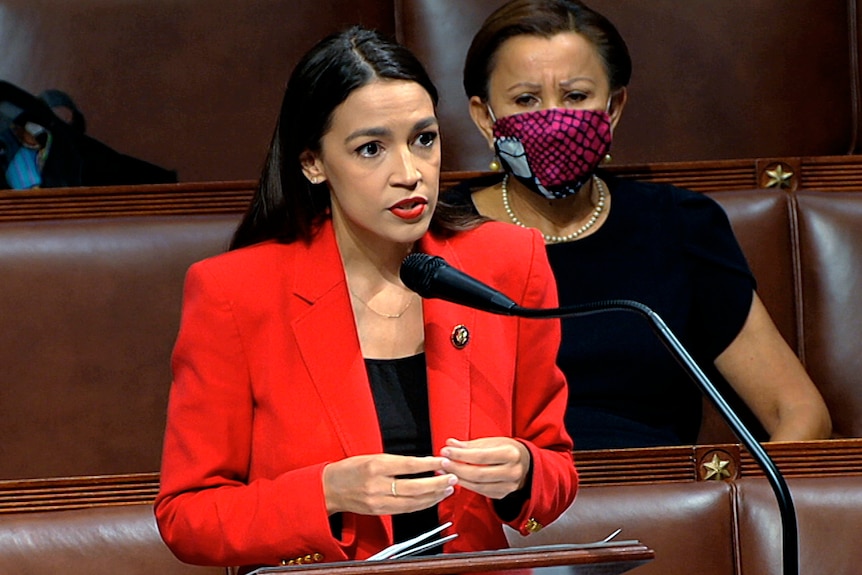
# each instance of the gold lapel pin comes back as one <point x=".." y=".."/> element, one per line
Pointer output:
<point x="460" y="336"/>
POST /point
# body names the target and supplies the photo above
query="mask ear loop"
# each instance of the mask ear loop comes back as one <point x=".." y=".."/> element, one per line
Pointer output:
<point x="495" y="165"/>
<point x="491" y="112"/>
<point x="610" y="101"/>
<point x="608" y="158"/>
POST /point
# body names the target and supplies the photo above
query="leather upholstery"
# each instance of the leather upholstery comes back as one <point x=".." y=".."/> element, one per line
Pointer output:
<point x="830" y="240"/>
<point x="829" y="513"/>
<point x="96" y="541"/>
<point x="90" y="310"/>
<point x="690" y="525"/>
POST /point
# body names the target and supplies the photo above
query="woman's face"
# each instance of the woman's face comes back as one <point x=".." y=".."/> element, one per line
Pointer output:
<point x="537" y="73"/>
<point x="381" y="161"/>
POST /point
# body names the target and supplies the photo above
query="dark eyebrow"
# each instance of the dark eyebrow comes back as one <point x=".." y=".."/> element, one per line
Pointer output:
<point x="425" y="123"/>
<point x="384" y="132"/>
<point x="367" y="133"/>
<point x="523" y="86"/>
<point x="568" y="83"/>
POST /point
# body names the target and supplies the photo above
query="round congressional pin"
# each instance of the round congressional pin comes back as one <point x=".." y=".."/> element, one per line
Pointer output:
<point x="460" y="336"/>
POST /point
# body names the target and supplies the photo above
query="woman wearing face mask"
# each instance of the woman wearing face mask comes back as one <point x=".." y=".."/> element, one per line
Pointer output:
<point x="319" y="409"/>
<point x="547" y="85"/>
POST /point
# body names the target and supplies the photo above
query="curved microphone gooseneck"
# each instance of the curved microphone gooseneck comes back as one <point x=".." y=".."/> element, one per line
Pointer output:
<point x="432" y="277"/>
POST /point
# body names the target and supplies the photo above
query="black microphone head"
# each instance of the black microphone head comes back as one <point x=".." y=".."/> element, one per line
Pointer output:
<point x="417" y="272"/>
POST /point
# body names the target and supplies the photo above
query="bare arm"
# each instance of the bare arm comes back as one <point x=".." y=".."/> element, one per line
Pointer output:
<point x="771" y="380"/>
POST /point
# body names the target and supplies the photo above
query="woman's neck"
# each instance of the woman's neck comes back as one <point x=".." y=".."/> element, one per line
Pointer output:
<point x="534" y="209"/>
<point x="377" y="261"/>
<point x="554" y="218"/>
<point x="388" y="315"/>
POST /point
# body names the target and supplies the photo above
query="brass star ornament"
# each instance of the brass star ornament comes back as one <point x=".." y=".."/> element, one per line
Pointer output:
<point x="716" y="469"/>
<point x="779" y="177"/>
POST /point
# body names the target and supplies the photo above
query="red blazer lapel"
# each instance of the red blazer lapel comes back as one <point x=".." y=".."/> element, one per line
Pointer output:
<point x="448" y="361"/>
<point x="327" y="339"/>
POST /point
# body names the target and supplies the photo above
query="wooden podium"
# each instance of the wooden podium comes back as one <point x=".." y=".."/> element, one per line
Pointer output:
<point x="591" y="559"/>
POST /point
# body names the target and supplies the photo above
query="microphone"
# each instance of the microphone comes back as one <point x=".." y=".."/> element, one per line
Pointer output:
<point x="433" y="277"/>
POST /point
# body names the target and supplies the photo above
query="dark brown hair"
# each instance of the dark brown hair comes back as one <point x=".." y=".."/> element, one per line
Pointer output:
<point x="544" y="18"/>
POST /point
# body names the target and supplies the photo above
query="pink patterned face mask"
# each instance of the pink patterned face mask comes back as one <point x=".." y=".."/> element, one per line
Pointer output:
<point x="553" y="152"/>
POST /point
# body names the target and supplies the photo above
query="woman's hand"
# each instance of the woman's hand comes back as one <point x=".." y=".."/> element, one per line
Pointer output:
<point x="375" y="484"/>
<point x="491" y="466"/>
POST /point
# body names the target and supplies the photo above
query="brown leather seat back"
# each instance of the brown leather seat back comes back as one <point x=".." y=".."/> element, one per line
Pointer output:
<point x="96" y="541"/>
<point x="829" y="516"/>
<point x="685" y="523"/>
<point x="90" y="310"/>
<point x="830" y="239"/>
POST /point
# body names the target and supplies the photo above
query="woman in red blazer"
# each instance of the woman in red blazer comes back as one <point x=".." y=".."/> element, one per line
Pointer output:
<point x="320" y="410"/>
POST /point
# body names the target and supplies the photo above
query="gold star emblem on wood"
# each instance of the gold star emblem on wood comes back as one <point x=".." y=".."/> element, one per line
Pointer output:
<point x="716" y="469"/>
<point x="779" y="177"/>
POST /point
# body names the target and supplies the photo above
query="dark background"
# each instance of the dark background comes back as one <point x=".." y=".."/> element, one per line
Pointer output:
<point x="195" y="85"/>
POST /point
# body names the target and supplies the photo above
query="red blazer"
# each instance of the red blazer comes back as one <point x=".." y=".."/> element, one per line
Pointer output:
<point x="270" y="385"/>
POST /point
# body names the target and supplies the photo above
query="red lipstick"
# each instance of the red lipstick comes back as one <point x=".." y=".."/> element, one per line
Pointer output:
<point x="410" y="208"/>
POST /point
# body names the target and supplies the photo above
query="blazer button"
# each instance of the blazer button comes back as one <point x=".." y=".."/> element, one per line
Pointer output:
<point x="460" y="336"/>
<point x="318" y="557"/>
<point x="533" y="526"/>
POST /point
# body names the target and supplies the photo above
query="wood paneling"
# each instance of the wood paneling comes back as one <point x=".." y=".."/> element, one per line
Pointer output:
<point x="828" y="173"/>
<point x="659" y="465"/>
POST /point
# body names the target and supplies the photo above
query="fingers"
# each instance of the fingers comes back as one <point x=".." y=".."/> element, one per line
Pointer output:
<point x="401" y="465"/>
<point x="484" y="451"/>
<point x="406" y="495"/>
<point x="423" y="489"/>
<point x="494" y="466"/>
<point x="384" y="484"/>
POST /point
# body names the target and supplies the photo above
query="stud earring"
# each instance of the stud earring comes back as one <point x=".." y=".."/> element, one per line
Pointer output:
<point x="495" y="164"/>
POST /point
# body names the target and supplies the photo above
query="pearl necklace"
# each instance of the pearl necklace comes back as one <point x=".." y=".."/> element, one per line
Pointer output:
<point x="386" y="315"/>
<point x="594" y="217"/>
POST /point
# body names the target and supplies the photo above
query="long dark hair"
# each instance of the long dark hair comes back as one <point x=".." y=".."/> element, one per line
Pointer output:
<point x="286" y="206"/>
<point x="544" y="18"/>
